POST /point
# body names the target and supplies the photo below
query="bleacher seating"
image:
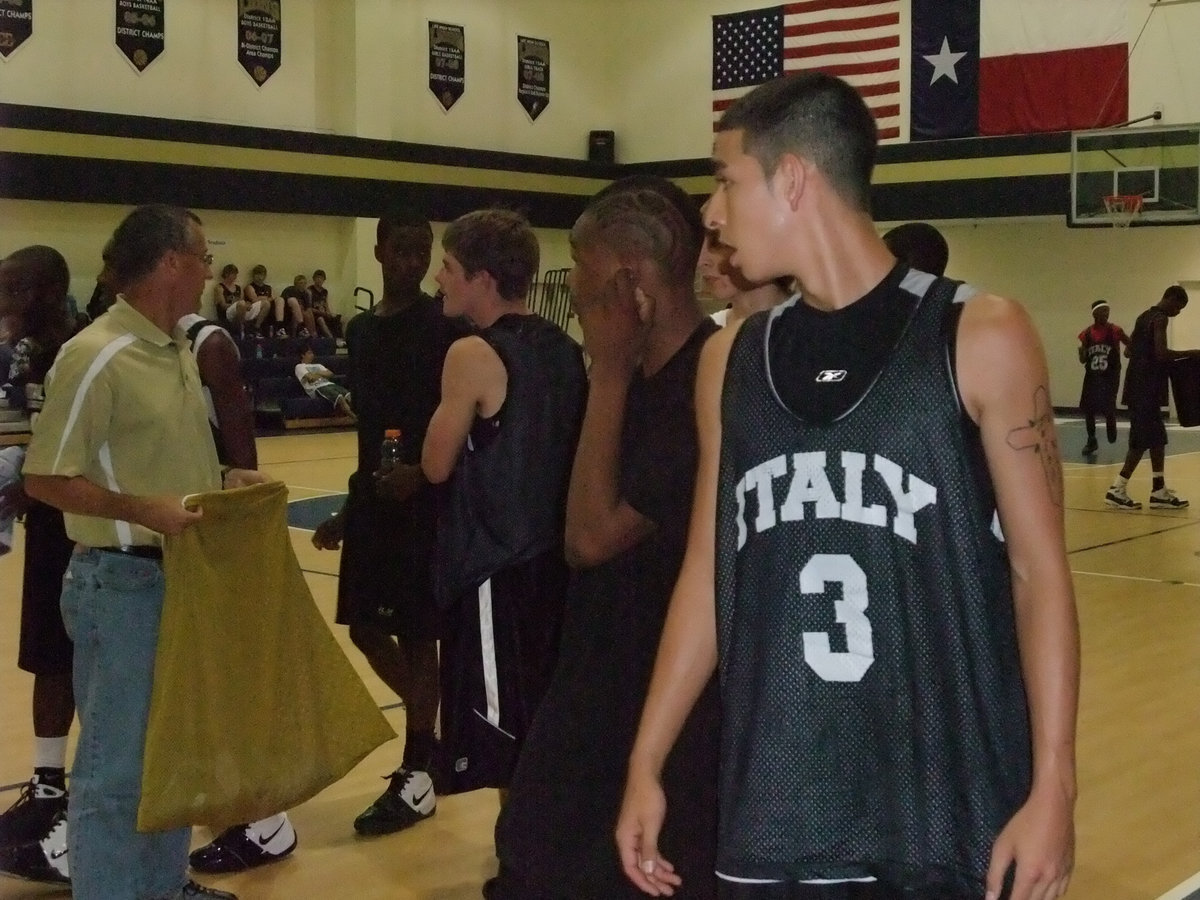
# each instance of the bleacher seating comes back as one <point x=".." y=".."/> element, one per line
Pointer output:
<point x="279" y="400"/>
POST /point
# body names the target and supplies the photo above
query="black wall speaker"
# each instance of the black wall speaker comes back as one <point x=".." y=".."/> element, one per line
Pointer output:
<point x="602" y="147"/>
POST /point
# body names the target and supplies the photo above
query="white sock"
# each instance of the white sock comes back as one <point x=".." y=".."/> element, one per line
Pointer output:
<point x="50" y="753"/>
<point x="1120" y="482"/>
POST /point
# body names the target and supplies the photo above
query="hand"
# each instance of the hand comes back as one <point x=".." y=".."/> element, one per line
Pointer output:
<point x="236" y="478"/>
<point x="616" y="325"/>
<point x="14" y="502"/>
<point x="167" y="515"/>
<point x="400" y="482"/>
<point x="329" y="533"/>
<point x="642" y="813"/>
<point x="1040" y="841"/>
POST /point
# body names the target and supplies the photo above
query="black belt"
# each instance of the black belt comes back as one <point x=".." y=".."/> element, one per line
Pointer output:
<point x="142" y="551"/>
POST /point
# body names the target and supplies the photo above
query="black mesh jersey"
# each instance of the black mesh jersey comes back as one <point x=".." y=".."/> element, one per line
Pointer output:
<point x="507" y="498"/>
<point x="874" y="718"/>
<point x="1146" y="378"/>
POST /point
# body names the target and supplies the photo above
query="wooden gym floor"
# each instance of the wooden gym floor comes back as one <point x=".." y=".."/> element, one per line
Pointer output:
<point x="1137" y="579"/>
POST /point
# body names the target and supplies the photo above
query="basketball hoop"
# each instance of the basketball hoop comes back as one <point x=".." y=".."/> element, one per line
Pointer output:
<point x="1123" y="208"/>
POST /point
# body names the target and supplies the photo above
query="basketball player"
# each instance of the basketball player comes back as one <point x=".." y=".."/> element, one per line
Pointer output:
<point x="1100" y="352"/>
<point x="630" y="491"/>
<point x="385" y="588"/>
<point x="920" y="245"/>
<point x="876" y="562"/>
<point x="1145" y="395"/>
<point x="725" y="284"/>
<point x="502" y="439"/>
<point x="33" y="290"/>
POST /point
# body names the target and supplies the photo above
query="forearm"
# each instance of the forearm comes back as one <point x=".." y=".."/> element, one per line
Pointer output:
<point x="687" y="658"/>
<point x="1048" y="634"/>
<point x="79" y="496"/>
<point x="593" y="495"/>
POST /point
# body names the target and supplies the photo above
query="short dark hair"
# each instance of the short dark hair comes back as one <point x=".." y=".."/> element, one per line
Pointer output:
<point x="303" y="346"/>
<point x="920" y="245"/>
<point x="144" y="237"/>
<point x="319" y="273"/>
<point x="815" y="116"/>
<point x="669" y="191"/>
<point x="43" y="270"/>
<point x="401" y="217"/>
<point x="645" y="223"/>
<point x="228" y="269"/>
<point x="499" y="242"/>
<point x="1176" y="294"/>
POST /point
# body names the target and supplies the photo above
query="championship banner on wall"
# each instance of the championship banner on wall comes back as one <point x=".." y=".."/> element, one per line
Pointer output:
<point x="447" y="62"/>
<point x="16" y="24"/>
<point x="140" y="32"/>
<point x="533" y="74"/>
<point x="259" y="31"/>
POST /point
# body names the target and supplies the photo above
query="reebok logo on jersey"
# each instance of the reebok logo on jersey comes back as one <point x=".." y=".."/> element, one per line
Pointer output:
<point x="829" y="376"/>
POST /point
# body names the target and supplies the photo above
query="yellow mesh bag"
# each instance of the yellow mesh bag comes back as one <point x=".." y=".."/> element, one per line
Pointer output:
<point x="255" y="707"/>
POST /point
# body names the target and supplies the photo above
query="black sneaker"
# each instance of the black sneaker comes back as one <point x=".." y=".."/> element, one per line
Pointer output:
<point x="408" y="799"/>
<point x="30" y="819"/>
<point x="193" y="890"/>
<point x="44" y="860"/>
<point x="1090" y="447"/>
<point x="244" y="847"/>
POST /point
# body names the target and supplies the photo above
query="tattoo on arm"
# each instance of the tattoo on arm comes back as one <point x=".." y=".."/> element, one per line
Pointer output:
<point x="1038" y="436"/>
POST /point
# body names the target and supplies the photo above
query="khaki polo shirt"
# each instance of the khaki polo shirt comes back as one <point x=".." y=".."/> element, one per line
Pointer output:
<point x="124" y="409"/>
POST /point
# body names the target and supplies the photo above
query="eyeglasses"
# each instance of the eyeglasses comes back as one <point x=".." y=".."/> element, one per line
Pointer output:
<point x="206" y="258"/>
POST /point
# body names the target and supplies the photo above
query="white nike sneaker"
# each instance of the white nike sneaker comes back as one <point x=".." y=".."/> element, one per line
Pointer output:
<point x="408" y="800"/>
<point x="245" y="847"/>
<point x="42" y="861"/>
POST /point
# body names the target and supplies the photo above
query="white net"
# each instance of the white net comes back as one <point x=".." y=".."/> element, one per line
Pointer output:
<point x="1122" y="209"/>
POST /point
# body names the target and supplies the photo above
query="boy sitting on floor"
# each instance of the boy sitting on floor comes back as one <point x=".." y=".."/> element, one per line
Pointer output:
<point x="316" y="381"/>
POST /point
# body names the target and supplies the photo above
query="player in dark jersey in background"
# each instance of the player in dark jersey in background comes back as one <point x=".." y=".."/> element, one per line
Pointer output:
<point x="1145" y="395"/>
<point x="630" y="493"/>
<point x="919" y="245"/>
<point x="503" y="439"/>
<point x="1100" y="352"/>
<point x="33" y="308"/>
<point x="876" y="560"/>
<point x="389" y="522"/>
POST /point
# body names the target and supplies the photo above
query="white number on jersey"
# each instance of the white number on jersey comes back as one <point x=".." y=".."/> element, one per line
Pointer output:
<point x="852" y="665"/>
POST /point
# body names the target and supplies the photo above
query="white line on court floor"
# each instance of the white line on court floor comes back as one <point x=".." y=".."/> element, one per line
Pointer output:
<point x="1183" y="891"/>
<point x="1135" y="578"/>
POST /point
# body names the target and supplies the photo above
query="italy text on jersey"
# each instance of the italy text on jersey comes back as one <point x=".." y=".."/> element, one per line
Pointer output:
<point x="810" y="484"/>
<point x="821" y="572"/>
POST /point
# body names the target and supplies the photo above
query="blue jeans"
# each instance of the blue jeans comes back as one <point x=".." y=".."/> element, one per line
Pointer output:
<point x="111" y="606"/>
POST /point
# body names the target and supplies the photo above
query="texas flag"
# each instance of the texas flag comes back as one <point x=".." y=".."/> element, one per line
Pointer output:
<point x="988" y="67"/>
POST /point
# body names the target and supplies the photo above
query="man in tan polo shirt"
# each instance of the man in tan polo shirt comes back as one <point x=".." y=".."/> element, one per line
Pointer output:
<point x="123" y="436"/>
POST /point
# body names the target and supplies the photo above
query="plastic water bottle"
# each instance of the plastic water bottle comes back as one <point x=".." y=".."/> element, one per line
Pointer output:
<point x="258" y="347"/>
<point x="391" y="451"/>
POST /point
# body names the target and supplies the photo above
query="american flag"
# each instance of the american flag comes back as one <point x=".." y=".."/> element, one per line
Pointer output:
<point x="857" y="40"/>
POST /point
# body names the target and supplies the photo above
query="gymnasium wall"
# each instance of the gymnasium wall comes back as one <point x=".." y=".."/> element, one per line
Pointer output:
<point x="356" y="69"/>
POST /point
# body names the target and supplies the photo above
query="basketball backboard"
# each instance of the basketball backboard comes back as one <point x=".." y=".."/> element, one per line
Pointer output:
<point x="1159" y="164"/>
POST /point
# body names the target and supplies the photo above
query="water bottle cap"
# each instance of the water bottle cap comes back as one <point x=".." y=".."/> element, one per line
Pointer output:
<point x="392" y="433"/>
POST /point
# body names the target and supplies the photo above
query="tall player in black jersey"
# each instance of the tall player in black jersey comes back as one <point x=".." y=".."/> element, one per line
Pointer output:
<point x="876" y="564"/>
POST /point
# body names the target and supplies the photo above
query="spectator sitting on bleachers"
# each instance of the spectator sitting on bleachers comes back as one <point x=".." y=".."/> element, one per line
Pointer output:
<point x="299" y="308"/>
<point x="317" y="381"/>
<point x="258" y="289"/>
<point x="327" y="323"/>
<point x="234" y="311"/>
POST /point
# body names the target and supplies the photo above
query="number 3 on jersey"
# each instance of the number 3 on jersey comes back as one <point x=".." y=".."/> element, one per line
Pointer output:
<point x="851" y="665"/>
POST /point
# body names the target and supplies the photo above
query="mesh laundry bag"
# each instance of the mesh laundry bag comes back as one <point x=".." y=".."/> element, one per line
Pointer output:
<point x="255" y="707"/>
